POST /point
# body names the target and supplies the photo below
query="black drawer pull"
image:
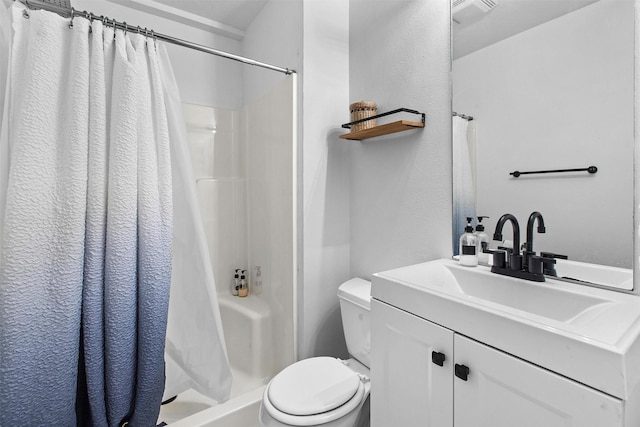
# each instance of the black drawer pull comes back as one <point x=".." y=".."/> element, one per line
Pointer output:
<point x="438" y="358"/>
<point x="462" y="372"/>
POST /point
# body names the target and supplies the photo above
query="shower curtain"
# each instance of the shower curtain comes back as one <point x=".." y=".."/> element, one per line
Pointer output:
<point x="86" y="226"/>
<point x="464" y="189"/>
<point x="196" y="355"/>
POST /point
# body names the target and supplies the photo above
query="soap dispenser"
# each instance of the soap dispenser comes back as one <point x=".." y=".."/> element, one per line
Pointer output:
<point x="235" y="283"/>
<point x="468" y="246"/>
<point x="243" y="290"/>
<point x="483" y="241"/>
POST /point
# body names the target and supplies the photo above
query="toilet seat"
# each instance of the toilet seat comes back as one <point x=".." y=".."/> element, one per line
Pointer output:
<point x="313" y="391"/>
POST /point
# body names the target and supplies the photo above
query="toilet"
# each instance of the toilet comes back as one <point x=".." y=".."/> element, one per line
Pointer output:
<point x="326" y="391"/>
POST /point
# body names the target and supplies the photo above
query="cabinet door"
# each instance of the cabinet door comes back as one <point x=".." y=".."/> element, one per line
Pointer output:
<point x="504" y="391"/>
<point x="407" y="388"/>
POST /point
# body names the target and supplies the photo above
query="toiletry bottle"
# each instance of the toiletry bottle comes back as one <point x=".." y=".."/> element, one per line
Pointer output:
<point x="235" y="283"/>
<point x="468" y="246"/>
<point x="483" y="241"/>
<point x="256" y="286"/>
<point x="243" y="290"/>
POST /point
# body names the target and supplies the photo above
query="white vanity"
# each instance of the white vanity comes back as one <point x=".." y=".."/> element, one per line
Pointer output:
<point x="459" y="346"/>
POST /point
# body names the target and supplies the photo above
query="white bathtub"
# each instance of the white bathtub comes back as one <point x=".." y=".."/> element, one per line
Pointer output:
<point x="247" y="329"/>
<point x="240" y="411"/>
<point x="247" y="332"/>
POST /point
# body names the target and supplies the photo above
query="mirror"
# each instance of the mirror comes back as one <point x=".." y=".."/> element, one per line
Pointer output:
<point x="550" y="86"/>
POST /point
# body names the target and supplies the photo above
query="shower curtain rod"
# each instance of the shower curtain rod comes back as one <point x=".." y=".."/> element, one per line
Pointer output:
<point x="71" y="13"/>
<point x="462" y="116"/>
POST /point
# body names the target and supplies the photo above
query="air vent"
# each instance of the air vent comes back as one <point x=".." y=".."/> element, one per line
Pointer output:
<point x="470" y="11"/>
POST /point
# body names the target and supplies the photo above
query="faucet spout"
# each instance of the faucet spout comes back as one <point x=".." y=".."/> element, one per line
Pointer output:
<point x="530" y="223"/>
<point x="497" y="235"/>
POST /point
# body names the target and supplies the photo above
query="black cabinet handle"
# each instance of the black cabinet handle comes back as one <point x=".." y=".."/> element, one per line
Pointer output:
<point x="438" y="358"/>
<point x="462" y="371"/>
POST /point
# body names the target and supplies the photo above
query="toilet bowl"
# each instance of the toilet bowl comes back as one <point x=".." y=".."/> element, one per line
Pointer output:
<point x="327" y="391"/>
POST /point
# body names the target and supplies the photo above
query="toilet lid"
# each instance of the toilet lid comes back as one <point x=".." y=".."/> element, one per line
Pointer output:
<point x="313" y="386"/>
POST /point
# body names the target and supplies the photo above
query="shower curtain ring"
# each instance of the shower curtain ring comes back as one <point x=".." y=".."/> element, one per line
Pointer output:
<point x="25" y="14"/>
<point x="73" y="14"/>
<point x="126" y="27"/>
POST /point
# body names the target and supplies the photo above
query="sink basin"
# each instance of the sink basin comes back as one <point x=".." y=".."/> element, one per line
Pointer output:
<point x="531" y="297"/>
<point x="567" y="327"/>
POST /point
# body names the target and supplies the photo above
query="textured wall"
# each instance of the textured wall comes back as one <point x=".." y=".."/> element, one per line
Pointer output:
<point x="401" y="185"/>
<point x="325" y="184"/>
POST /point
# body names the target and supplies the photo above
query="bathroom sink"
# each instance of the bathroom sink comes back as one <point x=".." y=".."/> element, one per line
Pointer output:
<point x="561" y="325"/>
<point x="537" y="298"/>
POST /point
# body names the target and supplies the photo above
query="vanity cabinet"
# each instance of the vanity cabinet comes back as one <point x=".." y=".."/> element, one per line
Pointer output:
<point x="410" y="390"/>
<point x="477" y="385"/>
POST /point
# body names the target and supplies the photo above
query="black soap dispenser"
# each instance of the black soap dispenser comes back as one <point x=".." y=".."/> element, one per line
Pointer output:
<point x="483" y="241"/>
<point x="468" y="246"/>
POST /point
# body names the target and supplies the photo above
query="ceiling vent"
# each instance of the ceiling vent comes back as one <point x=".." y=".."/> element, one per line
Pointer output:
<point x="470" y="11"/>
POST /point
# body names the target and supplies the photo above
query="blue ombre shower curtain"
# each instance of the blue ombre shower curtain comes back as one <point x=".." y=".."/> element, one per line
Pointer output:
<point x="85" y="262"/>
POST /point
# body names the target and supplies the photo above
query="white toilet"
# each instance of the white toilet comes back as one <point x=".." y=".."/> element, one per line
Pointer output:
<point x="324" y="390"/>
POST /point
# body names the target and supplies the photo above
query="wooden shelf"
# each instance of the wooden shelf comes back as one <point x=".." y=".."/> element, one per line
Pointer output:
<point x="386" y="129"/>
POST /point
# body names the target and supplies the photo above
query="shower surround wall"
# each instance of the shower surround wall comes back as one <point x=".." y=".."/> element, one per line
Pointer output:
<point x="243" y="164"/>
<point x="214" y="143"/>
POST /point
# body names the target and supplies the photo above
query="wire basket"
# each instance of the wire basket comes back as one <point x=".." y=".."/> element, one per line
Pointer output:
<point x="362" y="110"/>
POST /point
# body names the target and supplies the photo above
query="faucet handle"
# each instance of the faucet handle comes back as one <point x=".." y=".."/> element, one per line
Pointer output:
<point x="552" y="255"/>
<point x="549" y="266"/>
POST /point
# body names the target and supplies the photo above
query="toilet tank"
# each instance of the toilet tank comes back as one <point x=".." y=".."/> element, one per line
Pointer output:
<point x="355" y="307"/>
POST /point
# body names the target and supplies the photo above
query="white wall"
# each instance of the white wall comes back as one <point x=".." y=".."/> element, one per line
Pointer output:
<point x="325" y="184"/>
<point x="373" y="205"/>
<point x="274" y="37"/>
<point x="401" y="185"/>
<point x="558" y="96"/>
<point x="203" y="79"/>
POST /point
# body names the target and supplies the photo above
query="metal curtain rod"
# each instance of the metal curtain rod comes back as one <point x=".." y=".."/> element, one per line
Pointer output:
<point x="71" y="13"/>
<point x="462" y="116"/>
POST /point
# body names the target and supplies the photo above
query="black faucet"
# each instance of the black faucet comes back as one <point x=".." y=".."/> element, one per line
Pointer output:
<point x="515" y="266"/>
<point x="532" y="220"/>
<point x="531" y="262"/>
<point x="497" y="235"/>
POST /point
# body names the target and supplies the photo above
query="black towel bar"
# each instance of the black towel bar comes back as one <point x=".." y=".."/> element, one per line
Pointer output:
<point x="590" y="169"/>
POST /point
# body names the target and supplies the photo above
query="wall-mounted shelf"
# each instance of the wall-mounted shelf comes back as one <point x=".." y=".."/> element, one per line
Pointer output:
<point x="385" y="129"/>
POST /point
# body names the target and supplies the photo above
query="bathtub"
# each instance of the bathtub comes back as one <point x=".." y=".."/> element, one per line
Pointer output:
<point x="238" y="411"/>
<point x="247" y="328"/>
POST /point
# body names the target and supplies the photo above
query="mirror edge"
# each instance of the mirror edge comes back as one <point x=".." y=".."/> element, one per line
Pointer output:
<point x="636" y="156"/>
